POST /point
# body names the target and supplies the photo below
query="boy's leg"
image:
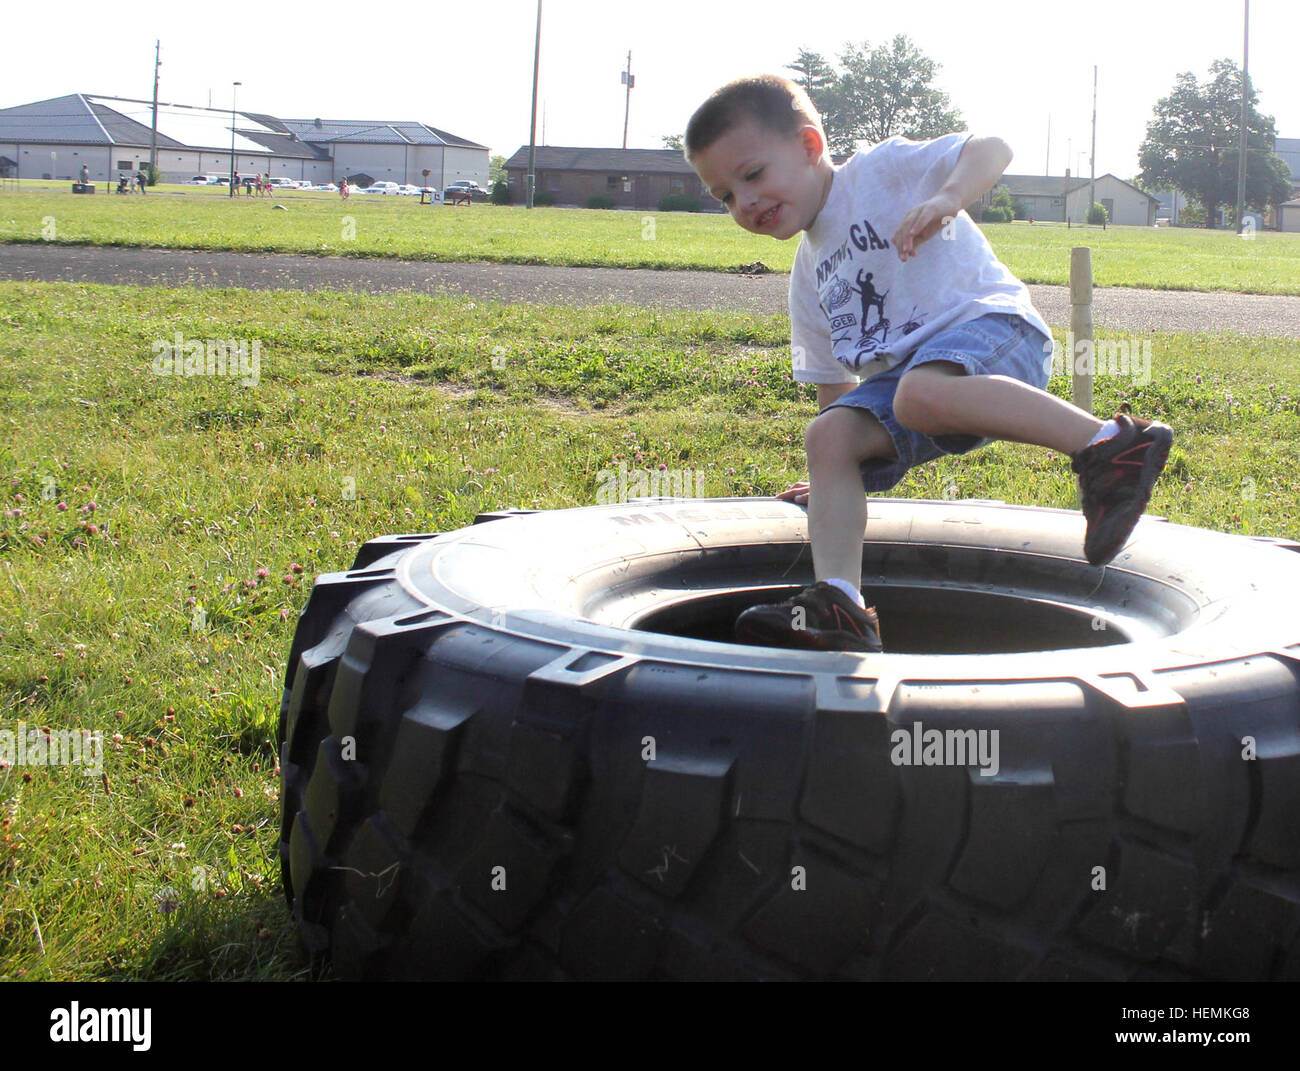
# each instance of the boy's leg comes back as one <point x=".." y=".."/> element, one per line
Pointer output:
<point x="838" y="441"/>
<point x="940" y="398"/>
<point x="824" y="616"/>
<point x="955" y="395"/>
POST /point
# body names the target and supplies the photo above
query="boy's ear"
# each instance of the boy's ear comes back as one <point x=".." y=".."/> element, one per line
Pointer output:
<point x="813" y="143"/>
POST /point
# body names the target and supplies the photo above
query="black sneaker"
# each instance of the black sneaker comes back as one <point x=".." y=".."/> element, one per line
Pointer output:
<point x="819" y="618"/>
<point x="1116" y="476"/>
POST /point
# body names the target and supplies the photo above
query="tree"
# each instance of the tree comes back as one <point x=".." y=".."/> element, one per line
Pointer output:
<point x="1192" y="143"/>
<point x="878" y="93"/>
<point x="815" y="74"/>
<point x="1001" y="209"/>
<point x="496" y="169"/>
<point x="821" y="82"/>
<point x="673" y="141"/>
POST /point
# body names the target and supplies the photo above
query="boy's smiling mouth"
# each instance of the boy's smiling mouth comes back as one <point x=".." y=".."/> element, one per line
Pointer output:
<point x="766" y="217"/>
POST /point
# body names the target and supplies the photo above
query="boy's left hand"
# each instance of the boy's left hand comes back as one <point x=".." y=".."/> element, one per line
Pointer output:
<point x="922" y="222"/>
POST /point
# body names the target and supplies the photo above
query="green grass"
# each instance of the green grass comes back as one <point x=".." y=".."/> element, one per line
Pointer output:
<point x="375" y="415"/>
<point x="188" y="217"/>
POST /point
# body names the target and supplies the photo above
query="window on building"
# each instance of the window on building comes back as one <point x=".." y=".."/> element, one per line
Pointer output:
<point x="612" y="182"/>
<point x="677" y="184"/>
<point x="125" y="165"/>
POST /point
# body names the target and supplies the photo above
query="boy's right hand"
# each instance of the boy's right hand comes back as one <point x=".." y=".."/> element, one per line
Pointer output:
<point x="796" y="493"/>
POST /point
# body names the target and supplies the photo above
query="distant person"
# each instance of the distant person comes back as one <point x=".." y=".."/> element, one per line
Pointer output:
<point x="344" y="189"/>
<point x="85" y="175"/>
<point x="139" y="181"/>
<point x="234" y="184"/>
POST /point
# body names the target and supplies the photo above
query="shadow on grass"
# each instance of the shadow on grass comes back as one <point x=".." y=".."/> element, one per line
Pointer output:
<point x="249" y="936"/>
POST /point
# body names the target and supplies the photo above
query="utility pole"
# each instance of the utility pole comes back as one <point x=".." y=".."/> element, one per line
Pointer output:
<point x="153" y="131"/>
<point x="1047" y="166"/>
<point x="530" y="181"/>
<point x="629" y="80"/>
<point x="1241" y="144"/>
<point x="1092" y="157"/>
<point x="234" y="90"/>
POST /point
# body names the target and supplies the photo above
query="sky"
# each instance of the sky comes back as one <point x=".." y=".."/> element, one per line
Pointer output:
<point x="468" y="69"/>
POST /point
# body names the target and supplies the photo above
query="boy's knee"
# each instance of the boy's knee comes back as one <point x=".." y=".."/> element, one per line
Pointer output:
<point x="921" y="403"/>
<point x="828" y="431"/>
<point x="844" y="431"/>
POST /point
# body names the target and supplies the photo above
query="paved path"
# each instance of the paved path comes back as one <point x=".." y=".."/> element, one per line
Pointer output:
<point x="1114" y="308"/>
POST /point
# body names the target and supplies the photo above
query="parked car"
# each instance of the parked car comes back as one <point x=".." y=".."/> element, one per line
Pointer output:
<point x="383" y="186"/>
<point x="407" y="190"/>
<point x="205" y="180"/>
<point x="323" y="187"/>
<point x="461" y="187"/>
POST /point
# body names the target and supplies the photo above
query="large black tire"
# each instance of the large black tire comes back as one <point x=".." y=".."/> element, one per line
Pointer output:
<point x="469" y="791"/>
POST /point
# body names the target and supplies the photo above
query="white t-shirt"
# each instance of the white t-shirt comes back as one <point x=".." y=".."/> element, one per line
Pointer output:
<point x="855" y="308"/>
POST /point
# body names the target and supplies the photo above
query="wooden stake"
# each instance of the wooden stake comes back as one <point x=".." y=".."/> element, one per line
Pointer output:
<point x="1081" y="357"/>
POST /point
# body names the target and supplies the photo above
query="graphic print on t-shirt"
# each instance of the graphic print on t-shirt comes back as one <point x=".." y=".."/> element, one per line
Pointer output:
<point x="868" y="330"/>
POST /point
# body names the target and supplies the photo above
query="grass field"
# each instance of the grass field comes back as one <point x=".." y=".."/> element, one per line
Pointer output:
<point x="182" y="217"/>
<point x="162" y="615"/>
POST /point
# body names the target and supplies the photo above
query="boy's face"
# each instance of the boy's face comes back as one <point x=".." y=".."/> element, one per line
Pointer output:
<point x="770" y="183"/>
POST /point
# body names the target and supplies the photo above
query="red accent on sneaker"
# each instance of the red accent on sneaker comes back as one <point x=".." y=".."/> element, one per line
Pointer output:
<point x="840" y="612"/>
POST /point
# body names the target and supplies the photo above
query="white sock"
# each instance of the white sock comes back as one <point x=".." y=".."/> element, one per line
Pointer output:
<point x="1111" y="427"/>
<point x="849" y="590"/>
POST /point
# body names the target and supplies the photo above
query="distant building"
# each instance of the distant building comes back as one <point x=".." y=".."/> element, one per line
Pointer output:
<point x="631" y="178"/>
<point x="1172" y="205"/>
<point x="1288" y="216"/>
<point x="1060" y="197"/>
<point x="1289" y="150"/>
<point x="54" y="138"/>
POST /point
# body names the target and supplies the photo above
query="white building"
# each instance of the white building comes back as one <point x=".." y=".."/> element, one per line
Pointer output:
<point x="1288" y="216"/>
<point x="1061" y="198"/>
<point x="109" y="135"/>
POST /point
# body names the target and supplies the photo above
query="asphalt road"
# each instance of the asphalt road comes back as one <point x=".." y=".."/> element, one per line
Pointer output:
<point x="1114" y="308"/>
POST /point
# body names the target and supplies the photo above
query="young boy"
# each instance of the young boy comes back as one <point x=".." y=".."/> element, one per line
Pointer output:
<point x="949" y="349"/>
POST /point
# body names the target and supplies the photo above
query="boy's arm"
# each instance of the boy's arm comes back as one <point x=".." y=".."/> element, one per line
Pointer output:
<point x="982" y="162"/>
<point x="830" y="392"/>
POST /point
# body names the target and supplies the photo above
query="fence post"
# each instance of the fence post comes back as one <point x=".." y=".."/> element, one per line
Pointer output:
<point x="1081" y="327"/>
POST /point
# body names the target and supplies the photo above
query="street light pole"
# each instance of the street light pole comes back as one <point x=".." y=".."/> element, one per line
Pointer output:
<point x="629" y="80"/>
<point x="1241" y="141"/>
<point x="530" y="182"/>
<point x="234" y="88"/>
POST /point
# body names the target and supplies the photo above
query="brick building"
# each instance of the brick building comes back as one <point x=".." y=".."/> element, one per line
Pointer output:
<point x="631" y="178"/>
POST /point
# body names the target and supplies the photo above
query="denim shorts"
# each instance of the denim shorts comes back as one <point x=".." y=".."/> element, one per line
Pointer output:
<point x="993" y="344"/>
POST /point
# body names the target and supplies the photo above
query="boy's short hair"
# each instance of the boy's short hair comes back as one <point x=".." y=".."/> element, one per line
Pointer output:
<point x="775" y="103"/>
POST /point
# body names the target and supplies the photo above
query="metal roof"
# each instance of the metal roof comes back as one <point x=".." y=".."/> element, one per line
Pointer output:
<point x="57" y="121"/>
<point x="95" y="119"/>
<point x="371" y="132"/>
